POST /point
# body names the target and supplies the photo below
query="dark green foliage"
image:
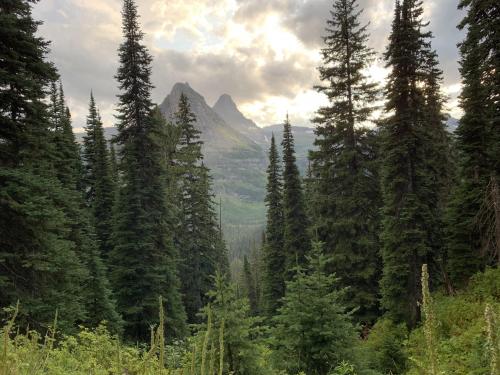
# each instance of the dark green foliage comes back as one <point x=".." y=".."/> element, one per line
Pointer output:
<point x="313" y="330"/>
<point x="98" y="179"/>
<point x="143" y="262"/>
<point x="242" y="350"/>
<point x="385" y="347"/>
<point x="345" y="201"/>
<point x="99" y="301"/>
<point x="411" y="152"/>
<point x="249" y="285"/>
<point x="198" y="236"/>
<point x="67" y="162"/>
<point x="296" y="243"/>
<point x="96" y="290"/>
<point x="114" y="166"/>
<point x="274" y="257"/>
<point x="473" y="241"/>
<point x="38" y="259"/>
<point x="24" y="77"/>
<point x="39" y="264"/>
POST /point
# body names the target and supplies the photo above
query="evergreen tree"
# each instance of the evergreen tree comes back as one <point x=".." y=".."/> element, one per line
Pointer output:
<point x="296" y="242"/>
<point x="346" y="198"/>
<point x="471" y="244"/>
<point x="96" y="291"/>
<point x="198" y="237"/>
<point x="241" y="332"/>
<point x="249" y="286"/>
<point x="39" y="264"/>
<point x="274" y="258"/>
<point x="143" y="262"/>
<point x="99" y="184"/>
<point x="411" y="180"/>
<point x="313" y="330"/>
<point x="66" y="159"/>
<point x="113" y="162"/>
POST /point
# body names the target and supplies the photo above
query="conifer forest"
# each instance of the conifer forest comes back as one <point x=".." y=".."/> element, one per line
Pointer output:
<point x="121" y="249"/>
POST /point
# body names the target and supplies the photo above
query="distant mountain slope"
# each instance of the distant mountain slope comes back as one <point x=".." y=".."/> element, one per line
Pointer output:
<point x="235" y="149"/>
<point x="226" y="108"/>
<point x="236" y="161"/>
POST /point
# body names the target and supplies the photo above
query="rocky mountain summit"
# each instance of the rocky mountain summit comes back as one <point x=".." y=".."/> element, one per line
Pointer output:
<point x="237" y="162"/>
<point x="226" y="108"/>
<point x="235" y="149"/>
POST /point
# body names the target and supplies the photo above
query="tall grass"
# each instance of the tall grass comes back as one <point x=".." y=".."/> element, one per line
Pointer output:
<point x="97" y="352"/>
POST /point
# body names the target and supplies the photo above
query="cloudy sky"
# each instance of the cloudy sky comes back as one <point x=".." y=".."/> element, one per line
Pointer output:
<point x="264" y="53"/>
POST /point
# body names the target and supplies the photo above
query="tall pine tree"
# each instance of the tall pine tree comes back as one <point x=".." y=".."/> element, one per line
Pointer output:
<point x="143" y="262"/>
<point x="313" y="330"/>
<point x="98" y="178"/>
<point x="473" y="240"/>
<point x="38" y="261"/>
<point x="411" y="177"/>
<point x="249" y="286"/>
<point x="274" y="258"/>
<point x="96" y="291"/>
<point x="198" y="237"/>
<point x="346" y="197"/>
<point x="296" y="243"/>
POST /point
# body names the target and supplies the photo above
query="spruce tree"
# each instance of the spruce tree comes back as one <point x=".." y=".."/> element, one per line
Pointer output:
<point x="249" y="286"/>
<point x="40" y="266"/>
<point x="313" y="329"/>
<point x="296" y="243"/>
<point x="143" y="262"/>
<point x="470" y="244"/>
<point x="241" y="333"/>
<point x="96" y="291"/>
<point x="198" y="237"/>
<point x="98" y="179"/>
<point x="274" y="258"/>
<point x="345" y="201"/>
<point x="411" y="177"/>
<point x="113" y="163"/>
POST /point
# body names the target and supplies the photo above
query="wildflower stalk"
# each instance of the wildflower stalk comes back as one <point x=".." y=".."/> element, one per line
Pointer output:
<point x="492" y="339"/>
<point x="430" y="322"/>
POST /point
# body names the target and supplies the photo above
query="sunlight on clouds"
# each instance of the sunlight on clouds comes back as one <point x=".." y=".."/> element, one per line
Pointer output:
<point x="281" y="41"/>
<point x="264" y="52"/>
<point x="273" y="109"/>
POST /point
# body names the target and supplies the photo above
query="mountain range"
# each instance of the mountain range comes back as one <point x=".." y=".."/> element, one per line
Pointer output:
<point x="235" y="149"/>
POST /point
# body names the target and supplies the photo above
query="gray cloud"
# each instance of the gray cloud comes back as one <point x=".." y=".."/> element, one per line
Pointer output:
<point x="86" y="36"/>
<point x="214" y="74"/>
<point x="307" y="20"/>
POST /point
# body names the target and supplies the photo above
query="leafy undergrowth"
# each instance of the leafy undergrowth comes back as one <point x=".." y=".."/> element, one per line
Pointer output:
<point x="462" y="332"/>
<point x="465" y="343"/>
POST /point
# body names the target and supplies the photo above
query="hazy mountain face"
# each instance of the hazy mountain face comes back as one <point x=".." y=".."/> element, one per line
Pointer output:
<point x="236" y="161"/>
<point x="229" y="112"/>
<point x="235" y="149"/>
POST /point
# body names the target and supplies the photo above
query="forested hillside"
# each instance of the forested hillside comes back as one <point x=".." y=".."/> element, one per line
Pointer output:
<point x="379" y="249"/>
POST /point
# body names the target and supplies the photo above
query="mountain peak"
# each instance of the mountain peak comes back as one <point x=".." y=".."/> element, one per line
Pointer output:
<point x="226" y="101"/>
<point x="226" y="108"/>
<point x="184" y="88"/>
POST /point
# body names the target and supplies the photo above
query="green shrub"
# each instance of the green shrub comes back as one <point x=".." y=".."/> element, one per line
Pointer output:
<point x="385" y="347"/>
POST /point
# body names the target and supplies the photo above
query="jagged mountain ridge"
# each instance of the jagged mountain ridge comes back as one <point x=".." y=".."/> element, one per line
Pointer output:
<point x="236" y="161"/>
<point x="226" y="108"/>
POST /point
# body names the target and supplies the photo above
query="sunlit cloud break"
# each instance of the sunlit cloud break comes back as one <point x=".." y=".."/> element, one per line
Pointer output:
<point x="263" y="53"/>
